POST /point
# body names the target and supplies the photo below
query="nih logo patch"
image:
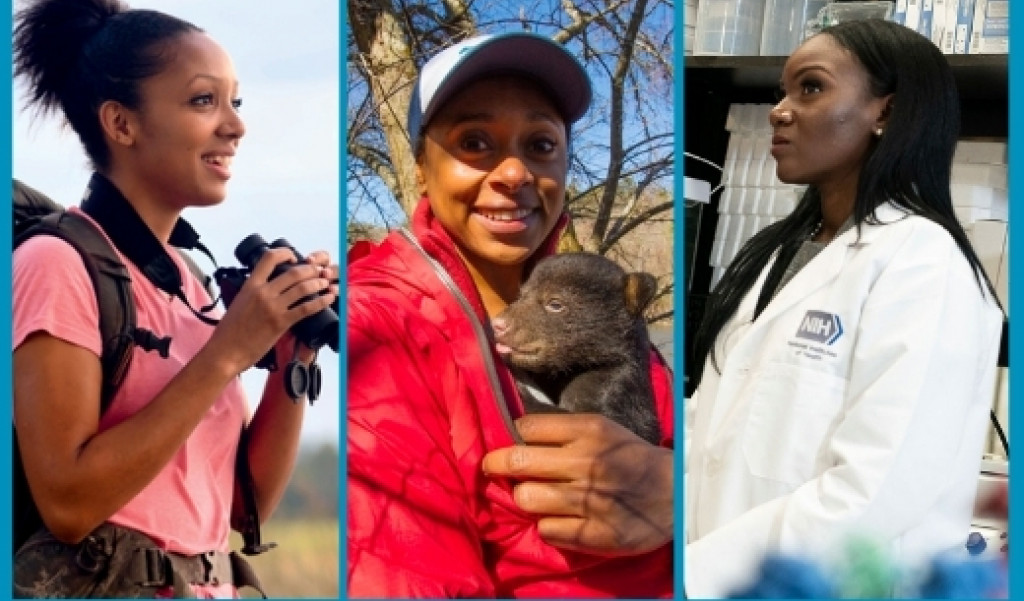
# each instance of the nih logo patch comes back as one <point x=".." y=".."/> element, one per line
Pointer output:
<point x="820" y="327"/>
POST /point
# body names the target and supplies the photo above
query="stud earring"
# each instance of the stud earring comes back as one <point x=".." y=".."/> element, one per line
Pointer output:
<point x="879" y="132"/>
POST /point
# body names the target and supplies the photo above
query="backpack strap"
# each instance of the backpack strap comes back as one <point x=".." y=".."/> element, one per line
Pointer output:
<point x="250" y="529"/>
<point x="105" y="204"/>
<point x="36" y="214"/>
<point x="27" y="202"/>
<point x="112" y="284"/>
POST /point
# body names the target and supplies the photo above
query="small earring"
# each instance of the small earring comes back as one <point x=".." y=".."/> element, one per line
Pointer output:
<point x="879" y="132"/>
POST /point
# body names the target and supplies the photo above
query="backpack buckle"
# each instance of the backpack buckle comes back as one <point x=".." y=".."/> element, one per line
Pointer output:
<point x="210" y="576"/>
<point x="93" y="554"/>
<point x="156" y="567"/>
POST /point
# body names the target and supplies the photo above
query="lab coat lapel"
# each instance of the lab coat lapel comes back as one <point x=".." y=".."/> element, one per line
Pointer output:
<point x="821" y="271"/>
<point x="749" y="336"/>
<point x="824" y="268"/>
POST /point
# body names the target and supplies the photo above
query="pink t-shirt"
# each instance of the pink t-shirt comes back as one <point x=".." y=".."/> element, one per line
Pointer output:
<point x="187" y="507"/>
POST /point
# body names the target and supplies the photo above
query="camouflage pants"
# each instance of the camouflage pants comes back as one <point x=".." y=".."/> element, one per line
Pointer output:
<point x="103" y="565"/>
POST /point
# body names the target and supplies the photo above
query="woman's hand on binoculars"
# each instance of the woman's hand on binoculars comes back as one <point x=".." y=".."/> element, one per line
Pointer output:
<point x="265" y="308"/>
<point x="288" y="341"/>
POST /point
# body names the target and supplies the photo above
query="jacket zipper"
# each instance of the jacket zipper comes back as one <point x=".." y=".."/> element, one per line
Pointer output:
<point x="481" y="337"/>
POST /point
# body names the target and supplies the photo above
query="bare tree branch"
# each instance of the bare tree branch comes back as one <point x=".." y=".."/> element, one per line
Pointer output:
<point x="616" y="125"/>
<point x="607" y="243"/>
<point x="622" y="152"/>
<point x="376" y="161"/>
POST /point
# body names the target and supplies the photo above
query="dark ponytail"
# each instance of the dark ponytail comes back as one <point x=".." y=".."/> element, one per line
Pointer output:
<point x="77" y="54"/>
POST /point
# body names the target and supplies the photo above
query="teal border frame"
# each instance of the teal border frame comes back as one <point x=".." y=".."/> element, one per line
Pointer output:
<point x="1015" y="247"/>
<point x="679" y="302"/>
<point x="6" y="436"/>
<point x="342" y="311"/>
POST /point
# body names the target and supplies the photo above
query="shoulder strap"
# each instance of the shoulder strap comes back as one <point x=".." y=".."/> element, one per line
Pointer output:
<point x="27" y="202"/>
<point x="118" y="331"/>
<point x="250" y="530"/>
<point x="105" y="204"/>
<point x="197" y="272"/>
<point x="112" y="284"/>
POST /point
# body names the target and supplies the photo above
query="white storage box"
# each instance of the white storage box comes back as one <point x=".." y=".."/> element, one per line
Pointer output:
<point x="729" y="27"/>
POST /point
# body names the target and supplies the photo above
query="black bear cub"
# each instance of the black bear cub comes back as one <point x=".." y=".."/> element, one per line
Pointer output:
<point x="578" y="333"/>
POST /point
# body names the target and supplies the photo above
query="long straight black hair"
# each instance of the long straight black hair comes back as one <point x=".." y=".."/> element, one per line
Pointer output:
<point x="908" y="166"/>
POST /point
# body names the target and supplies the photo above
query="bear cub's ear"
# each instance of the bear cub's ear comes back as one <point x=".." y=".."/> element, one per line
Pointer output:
<point x="640" y="289"/>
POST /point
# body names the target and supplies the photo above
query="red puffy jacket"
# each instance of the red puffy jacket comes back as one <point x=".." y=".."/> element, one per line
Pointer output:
<point x="428" y="397"/>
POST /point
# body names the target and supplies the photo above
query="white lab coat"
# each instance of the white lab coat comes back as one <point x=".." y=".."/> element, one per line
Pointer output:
<point x="812" y="433"/>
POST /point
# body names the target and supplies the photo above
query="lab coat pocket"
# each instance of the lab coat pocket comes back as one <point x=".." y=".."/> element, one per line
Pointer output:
<point x="792" y="413"/>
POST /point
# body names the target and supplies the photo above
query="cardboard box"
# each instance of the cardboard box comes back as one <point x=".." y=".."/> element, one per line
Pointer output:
<point x="690" y="18"/>
<point x="964" y="23"/>
<point x="924" y="25"/>
<point x="1001" y="405"/>
<point x="913" y="17"/>
<point x="968" y="216"/>
<point x="992" y="176"/>
<point x="980" y="151"/>
<point x="949" y="35"/>
<point x="938" y="22"/>
<point x="899" y="14"/>
<point x="785" y="200"/>
<point x="989" y="239"/>
<point x="990" y="32"/>
<point x="716" y="251"/>
<point x="727" y="201"/>
<point x="980" y="197"/>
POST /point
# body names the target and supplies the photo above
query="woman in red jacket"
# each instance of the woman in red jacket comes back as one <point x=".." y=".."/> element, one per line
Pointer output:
<point x="428" y="397"/>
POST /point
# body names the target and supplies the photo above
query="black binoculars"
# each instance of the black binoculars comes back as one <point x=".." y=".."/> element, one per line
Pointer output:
<point x="314" y="331"/>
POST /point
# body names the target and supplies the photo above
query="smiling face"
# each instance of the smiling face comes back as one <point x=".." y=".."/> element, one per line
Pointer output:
<point x="494" y="165"/>
<point x="824" y="126"/>
<point x="187" y="128"/>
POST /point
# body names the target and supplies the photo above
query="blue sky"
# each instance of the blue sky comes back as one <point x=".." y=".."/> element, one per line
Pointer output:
<point x="285" y="181"/>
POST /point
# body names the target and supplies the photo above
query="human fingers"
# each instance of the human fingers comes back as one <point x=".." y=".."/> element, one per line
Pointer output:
<point x="562" y="428"/>
<point x="309" y="296"/>
<point x="524" y="461"/>
<point x="618" y="536"/>
<point x="551" y="498"/>
<point x="581" y="534"/>
<point x="319" y="257"/>
<point x="322" y="259"/>
<point x="264" y="309"/>
<point x="270" y="259"/>
<point x="296" y="274"/>
<point x="565" y="447"/>
<point x="332" y="272"/>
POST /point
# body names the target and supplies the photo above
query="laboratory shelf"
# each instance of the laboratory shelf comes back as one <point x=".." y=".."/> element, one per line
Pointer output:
<point x="712" y="83"/>
<point x="977" y="75"/>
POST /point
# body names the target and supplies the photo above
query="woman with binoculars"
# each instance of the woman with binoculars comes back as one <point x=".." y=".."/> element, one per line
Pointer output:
<point x="153" y="100"/>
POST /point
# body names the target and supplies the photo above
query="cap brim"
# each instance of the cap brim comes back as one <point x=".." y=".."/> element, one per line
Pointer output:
<point x="537" y="57"/>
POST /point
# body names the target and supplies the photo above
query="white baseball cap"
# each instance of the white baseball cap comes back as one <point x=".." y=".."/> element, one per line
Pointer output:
<point x="535" y="56"/>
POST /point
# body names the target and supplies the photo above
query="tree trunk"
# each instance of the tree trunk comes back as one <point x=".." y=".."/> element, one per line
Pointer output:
<point x="385" y="50"/>
<point x="616" y="153"/>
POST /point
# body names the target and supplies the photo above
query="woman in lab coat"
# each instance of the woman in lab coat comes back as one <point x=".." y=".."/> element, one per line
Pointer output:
<point x="850" y="349"/>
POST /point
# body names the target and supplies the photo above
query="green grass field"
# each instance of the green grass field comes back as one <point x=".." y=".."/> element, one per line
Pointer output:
<point x="305" y="562"/>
